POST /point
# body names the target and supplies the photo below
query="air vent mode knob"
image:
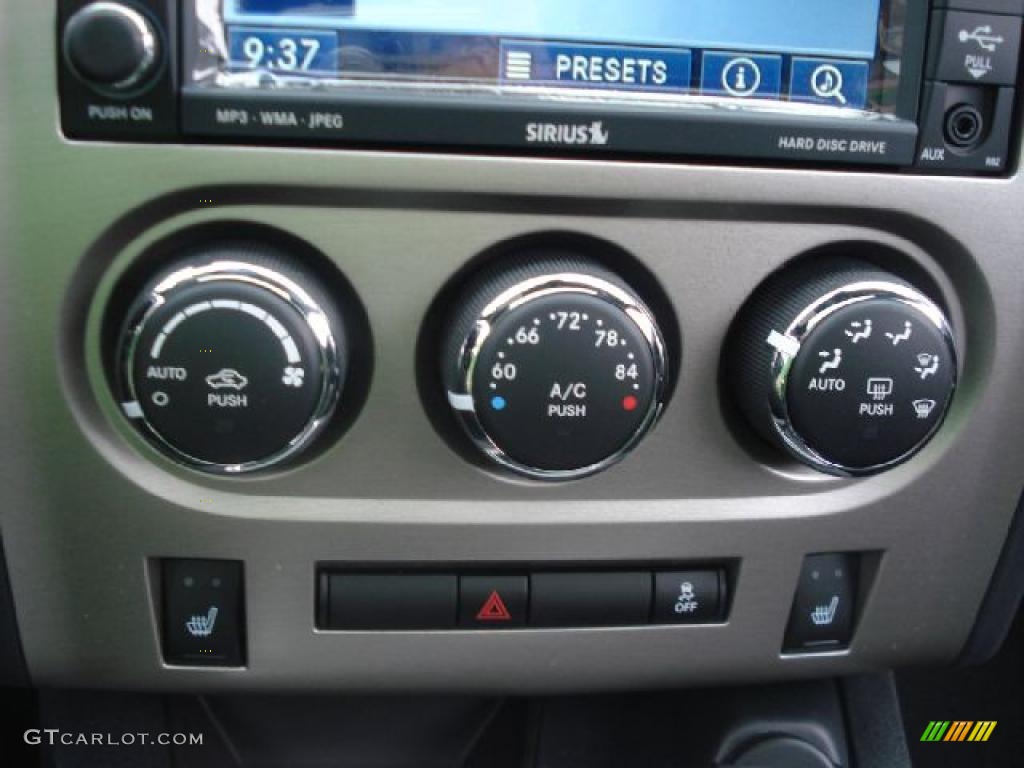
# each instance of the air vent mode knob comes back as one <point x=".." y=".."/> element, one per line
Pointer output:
<point x="113" y="47"/>
<point x="845" y="366"/>
<point x="233" y="360"/>
<point x="553" y="365"/>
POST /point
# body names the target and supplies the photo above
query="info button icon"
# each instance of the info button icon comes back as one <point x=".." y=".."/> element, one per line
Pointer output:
<point x="741" y="75"/>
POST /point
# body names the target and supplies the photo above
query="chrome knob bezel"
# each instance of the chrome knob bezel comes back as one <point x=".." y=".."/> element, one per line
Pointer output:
<point x="284" y="288"/>
<point x="462" y="399"/>
<point x="787" y="347"/>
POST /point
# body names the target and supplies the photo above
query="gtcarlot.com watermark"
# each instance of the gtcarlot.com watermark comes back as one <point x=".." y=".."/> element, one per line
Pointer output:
<point x="54" y="736"/>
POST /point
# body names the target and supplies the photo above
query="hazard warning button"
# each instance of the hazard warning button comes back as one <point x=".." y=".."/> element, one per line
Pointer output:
<point x="493" y="602"/>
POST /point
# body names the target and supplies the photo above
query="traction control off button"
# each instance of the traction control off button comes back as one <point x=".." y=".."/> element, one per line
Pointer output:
<point x="688" y="597"/>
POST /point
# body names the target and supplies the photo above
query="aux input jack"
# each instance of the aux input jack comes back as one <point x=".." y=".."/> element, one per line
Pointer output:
<point x="964" y="126"/>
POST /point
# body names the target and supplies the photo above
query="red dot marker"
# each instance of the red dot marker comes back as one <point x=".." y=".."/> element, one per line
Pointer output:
<point x="629" y="403"/>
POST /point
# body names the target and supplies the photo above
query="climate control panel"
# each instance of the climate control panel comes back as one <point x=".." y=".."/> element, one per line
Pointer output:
<point x="235" y="356"/>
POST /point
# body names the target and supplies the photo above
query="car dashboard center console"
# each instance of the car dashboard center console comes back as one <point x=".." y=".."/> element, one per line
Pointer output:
<point x="532" y="347"/>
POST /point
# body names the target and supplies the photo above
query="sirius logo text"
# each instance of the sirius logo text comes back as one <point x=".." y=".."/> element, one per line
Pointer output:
<point x="593" y="134"/>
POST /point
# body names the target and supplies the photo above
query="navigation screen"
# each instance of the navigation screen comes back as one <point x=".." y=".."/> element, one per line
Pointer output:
<point x="841" y="54"/>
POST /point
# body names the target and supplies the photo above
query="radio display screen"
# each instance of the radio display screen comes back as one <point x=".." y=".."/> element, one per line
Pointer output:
<point x="785" y="54"/>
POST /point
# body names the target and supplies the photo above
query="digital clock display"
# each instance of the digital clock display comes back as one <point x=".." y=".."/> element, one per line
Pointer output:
<point x="299" y="51"/>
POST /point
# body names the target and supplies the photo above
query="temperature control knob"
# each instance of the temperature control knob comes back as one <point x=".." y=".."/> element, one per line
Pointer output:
<point x="847" y="367"/>
<point x="554" y="366"/>
<point x="232" y="360"/>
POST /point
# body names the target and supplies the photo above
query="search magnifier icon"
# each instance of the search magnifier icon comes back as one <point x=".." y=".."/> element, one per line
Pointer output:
<point x="827" y="83"/>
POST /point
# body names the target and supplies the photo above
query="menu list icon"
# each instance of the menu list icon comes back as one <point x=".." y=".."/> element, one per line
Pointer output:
<point x="518" y="65"/>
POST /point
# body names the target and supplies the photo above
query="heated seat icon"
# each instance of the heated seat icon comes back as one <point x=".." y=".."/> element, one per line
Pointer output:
<point x="202" y="626"/>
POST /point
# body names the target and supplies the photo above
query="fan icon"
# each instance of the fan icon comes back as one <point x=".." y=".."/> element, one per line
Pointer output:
<point x="293" y="377"/>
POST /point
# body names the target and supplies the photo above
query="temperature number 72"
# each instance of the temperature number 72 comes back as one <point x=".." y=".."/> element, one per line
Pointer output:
<point x="570" y="320"/>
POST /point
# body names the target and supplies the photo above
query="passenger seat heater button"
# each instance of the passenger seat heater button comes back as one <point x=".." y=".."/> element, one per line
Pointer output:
<point x="823" y="608"/>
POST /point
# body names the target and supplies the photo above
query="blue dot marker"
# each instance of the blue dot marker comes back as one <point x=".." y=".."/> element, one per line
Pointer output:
<point x="498" y="403"/>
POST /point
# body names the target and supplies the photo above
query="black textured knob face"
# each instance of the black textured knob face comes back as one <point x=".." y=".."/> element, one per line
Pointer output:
<point x="870" y="383"/>
<point x="232" y="365"/>
<point x="848" y="368"/>
<point x="112" y="46"/>
<point x="555" y="367"/>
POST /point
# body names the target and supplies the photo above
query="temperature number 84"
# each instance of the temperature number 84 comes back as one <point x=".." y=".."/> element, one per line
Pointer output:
<point x="623" y="371"/>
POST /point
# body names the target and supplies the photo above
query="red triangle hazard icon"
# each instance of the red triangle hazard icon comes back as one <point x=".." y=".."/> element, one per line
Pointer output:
<point x="494" y="609"/>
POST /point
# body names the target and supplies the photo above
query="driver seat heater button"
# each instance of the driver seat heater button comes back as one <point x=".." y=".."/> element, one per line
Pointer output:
<point x="203" y="613"/>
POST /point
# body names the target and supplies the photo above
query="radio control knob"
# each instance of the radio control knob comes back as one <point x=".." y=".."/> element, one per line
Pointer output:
<point x="845" y="366"/>
<point x="232" y="360"/>
<point x="112" y="47"/>
<point x="554" y="366"/>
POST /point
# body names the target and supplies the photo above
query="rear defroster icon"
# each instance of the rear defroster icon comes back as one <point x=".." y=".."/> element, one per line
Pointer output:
<point x="880" y="388"/>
